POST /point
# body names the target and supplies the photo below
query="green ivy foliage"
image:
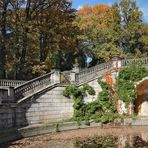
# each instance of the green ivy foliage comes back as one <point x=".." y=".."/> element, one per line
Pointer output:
<point x="104" y="108"/>
<point x="88" y="88"/>
<point x="125" y="85"/>
<point x="107" y="103"/>
<point x="78" y="94"/>
<point x="101" y="110"/>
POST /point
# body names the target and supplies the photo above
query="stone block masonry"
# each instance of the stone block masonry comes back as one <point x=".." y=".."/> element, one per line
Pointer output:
<point x="48" y="107"/>
<point x="7" y="109"/>
<point x="7" y="117"/>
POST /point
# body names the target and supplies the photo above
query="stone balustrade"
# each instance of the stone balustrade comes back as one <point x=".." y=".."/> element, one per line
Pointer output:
<point x="77" y="76"/>
<point x="125" y="62"/>
<point x="88" y="74"/>
<point x="31" y="86"/>
<point x="12" y="83"/>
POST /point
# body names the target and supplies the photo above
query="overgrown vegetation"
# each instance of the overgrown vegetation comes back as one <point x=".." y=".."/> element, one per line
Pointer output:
<point x="104" y="109"/>
<point x="125" y="85"/>
<point x="101" y="110"/>
<point x="107" y="103"/>
<point x="78" y="97"/>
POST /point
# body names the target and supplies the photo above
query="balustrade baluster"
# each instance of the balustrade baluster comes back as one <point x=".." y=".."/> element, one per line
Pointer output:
<point x="32" y="86"/>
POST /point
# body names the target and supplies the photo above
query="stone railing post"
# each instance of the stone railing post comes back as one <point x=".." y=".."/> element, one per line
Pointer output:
<point x="116" y="65"/>
<point x="116" y="62"/>
<point x="55" y="76"/>
<point x="72" y="77"/>
<point x="73" y="73"/>
<point x="76" y="68"/>
<point x="11" y="94"/>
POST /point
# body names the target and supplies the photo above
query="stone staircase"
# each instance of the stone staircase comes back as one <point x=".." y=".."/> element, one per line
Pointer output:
<point x="40" y="100"/>
<point x="24" y="90"/>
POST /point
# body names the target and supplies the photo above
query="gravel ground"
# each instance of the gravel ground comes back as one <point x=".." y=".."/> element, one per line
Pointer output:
<point x="65" y="139"/>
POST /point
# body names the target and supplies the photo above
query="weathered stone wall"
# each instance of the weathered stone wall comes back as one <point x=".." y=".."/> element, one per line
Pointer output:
<point x="7" y="111"/>
<point x="45" y="107"/>
<point x="49" y="106"/>
<point x="7" y="117"/>
<point x="88" y="98"/>
<point x="3" y="95"/>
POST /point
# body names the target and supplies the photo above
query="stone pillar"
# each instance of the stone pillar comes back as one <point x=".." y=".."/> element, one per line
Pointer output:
<point x="73" y="73"/>
<point x="72" y="77"/>
<point x="122" y="109"/>
<point x="11" y="94"/>
<point x="116" y="61"/>
<point x="76" y="68"/>
<point x="55" y="76"/>
<point x="116" y="65"/>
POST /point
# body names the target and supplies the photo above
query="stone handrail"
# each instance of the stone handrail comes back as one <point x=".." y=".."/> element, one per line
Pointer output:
<point x="88" y="74"/>
<point x="32" y="86"/>
<point x="12" y="83"/>
<point x="125" y="62"/>
<point x="23" y="89"/>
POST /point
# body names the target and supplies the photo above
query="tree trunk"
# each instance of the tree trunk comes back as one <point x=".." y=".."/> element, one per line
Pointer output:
<point x="3" y="43"/>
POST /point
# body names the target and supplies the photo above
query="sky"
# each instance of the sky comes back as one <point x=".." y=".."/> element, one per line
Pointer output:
<point x="142" y="4"/>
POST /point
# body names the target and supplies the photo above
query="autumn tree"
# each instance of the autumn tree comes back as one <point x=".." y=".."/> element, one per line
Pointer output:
<point x="113" y="30"/>
<point x="97" y="31"/>
<point x="33" y="34"/>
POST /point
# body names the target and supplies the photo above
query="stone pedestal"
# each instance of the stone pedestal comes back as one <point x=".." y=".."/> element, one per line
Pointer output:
<point x="116" y="62"/>
<point x="116" y="65"/>
<point x="72" y="77"/>
<point x="11" y="94"/>
<point x="55" y="76"/>
<point x="76" y="68"/>
<point x="73" y="73"/>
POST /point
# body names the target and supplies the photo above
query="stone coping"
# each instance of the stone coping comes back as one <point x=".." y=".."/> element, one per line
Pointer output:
<point x="40" y="129"/>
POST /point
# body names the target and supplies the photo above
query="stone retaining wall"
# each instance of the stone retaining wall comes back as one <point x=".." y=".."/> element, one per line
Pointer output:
<point x="7" y="110"/>
<point x="15" y="134"/>
<point x="7" y="117"/>
<point x="47" y="107"/>
<point x="44" y="107"/>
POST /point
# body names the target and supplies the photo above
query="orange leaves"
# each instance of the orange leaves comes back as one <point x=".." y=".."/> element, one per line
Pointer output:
<point x="101" y="15"/>
<point x="108" y="78"/>
<point x="100" y="9"/>
<point x="85" y="11"/>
